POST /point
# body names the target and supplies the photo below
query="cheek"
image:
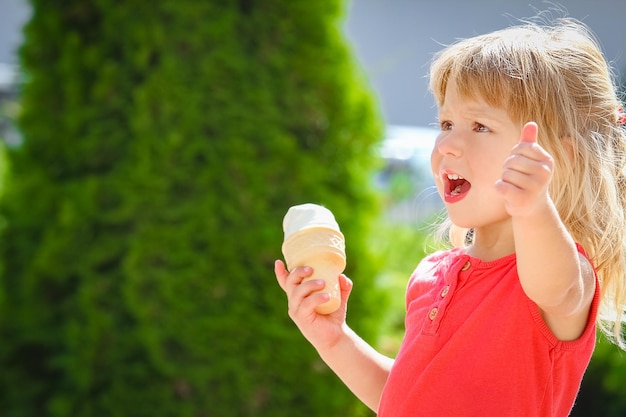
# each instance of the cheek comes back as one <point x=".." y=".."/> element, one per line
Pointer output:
<point x="435" y="162"/>
<point x="491" y="162"/>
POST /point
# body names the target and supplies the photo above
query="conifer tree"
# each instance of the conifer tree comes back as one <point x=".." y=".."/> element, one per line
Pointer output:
<point x="162" y="144"/>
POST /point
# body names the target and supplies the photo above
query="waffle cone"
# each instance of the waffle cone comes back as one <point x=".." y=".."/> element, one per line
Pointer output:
<point x="323" y="249"/>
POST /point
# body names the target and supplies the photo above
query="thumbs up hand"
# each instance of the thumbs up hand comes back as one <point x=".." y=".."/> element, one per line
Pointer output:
<point x="526" y="175"/>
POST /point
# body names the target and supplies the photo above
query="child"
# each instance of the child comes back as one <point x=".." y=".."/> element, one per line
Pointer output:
<point x="531" y="160"/>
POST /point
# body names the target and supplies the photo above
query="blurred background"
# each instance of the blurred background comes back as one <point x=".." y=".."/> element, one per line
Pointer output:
<point x="146" y="168"/>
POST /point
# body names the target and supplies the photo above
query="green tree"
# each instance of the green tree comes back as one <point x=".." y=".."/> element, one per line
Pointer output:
<point x="162" y="144"/>
<point x="602" y="392"/>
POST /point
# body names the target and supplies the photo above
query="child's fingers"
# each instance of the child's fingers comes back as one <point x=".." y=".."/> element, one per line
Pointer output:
<point x="289" y="279"/>
<point x="529" y="133"/>
<point x="281" y="273"/>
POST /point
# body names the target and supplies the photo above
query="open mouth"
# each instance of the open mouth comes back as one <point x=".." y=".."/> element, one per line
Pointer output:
<point x="456" y="185"/>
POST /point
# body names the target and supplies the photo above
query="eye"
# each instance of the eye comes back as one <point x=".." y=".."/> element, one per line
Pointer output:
<point x="445" y="125"/>
<point x="481" y="128"/>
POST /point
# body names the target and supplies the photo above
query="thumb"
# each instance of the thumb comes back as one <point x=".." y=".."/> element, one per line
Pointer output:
<point x="529" y="133"/>
<point x="345" y="284"/>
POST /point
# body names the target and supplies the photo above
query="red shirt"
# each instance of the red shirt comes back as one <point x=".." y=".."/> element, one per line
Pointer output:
<point x="476" y="345"/>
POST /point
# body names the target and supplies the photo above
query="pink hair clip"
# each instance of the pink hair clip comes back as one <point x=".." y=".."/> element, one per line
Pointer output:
<point x="621" y="116"/>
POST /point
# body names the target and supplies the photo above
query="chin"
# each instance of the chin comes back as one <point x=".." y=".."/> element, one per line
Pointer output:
<point x="461" y="221"/>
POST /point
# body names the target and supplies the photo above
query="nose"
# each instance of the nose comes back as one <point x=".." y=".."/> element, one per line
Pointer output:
<point x="449" y="143"/>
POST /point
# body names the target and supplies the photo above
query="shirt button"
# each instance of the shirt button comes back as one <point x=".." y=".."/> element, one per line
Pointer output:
<point x="433" y="313"/>
<point x="466" y="266"/>
<point x="445" y="291"/>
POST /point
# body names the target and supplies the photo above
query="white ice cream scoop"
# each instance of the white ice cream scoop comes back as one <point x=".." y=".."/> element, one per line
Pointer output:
<point x="308" y="215"/>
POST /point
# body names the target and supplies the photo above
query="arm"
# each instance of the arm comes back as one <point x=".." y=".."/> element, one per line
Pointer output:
<point x="359" y="366"/>
<point x="551" y="272"/>
<point x="356" y="363"/>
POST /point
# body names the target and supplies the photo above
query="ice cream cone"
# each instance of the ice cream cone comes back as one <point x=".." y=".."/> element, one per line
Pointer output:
<point x="313" y="238"/>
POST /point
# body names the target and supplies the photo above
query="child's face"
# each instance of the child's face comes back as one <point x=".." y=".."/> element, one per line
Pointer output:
<point x="468" y="156"/>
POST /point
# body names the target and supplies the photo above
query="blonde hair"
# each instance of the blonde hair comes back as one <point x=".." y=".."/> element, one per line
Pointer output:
<point x="557" y="76"/>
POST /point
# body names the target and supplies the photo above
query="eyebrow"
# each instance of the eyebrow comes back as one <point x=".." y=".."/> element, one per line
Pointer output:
<point x="479" y="111"/>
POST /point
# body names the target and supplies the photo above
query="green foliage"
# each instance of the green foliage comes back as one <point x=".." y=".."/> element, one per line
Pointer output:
<point x="163" y="143"/>
<point x="602" y="393"/>
<point x="401" y="246"/>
